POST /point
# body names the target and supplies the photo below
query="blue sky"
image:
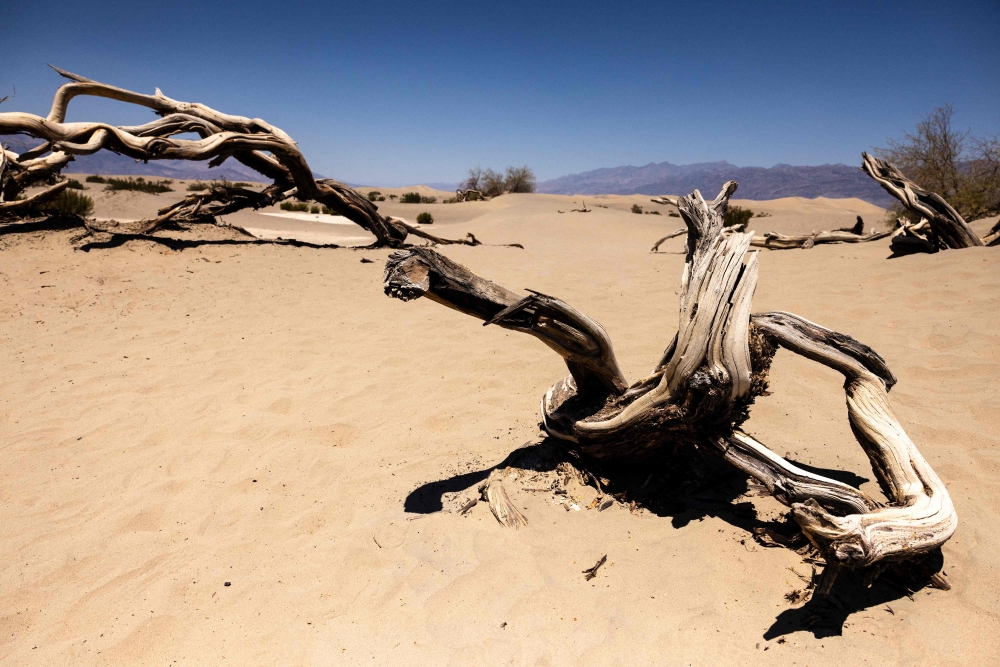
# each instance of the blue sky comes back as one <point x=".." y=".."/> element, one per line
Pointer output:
<point x="392" y="93"/>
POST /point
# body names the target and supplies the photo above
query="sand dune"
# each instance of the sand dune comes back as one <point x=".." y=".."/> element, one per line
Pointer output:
<point x="265" y="416"/>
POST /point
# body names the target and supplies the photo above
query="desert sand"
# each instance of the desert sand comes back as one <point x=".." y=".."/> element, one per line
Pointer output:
<point x="248" y="455"/>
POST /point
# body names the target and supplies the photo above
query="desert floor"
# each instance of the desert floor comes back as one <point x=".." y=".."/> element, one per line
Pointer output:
<point x="248" y="455"/>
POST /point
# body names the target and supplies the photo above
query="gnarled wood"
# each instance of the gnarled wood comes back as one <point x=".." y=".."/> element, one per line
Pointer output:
<point x="949" y="229"/>
<point x="700" y="391"/>
<point x="252" y="141"/>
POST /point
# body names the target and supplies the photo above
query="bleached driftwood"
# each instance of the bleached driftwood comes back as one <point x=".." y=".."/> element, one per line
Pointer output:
<point x="701" y="390"/>
<point x="945" y="228"/>
<point x="469" y="195"/>
<point x="253" y="142"/>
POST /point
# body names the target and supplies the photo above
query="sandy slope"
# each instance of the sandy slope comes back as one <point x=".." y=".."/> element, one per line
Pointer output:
<point x="264" y="416"/>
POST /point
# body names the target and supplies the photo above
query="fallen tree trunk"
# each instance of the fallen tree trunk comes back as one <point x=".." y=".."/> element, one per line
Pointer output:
<point x="701" y="390"/>
<point x="253" y="142"/>
<point x="945" y="227"/>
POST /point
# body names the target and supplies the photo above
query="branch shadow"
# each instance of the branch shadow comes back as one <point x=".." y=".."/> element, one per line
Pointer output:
<point x="825" y="616"/>
<point x="687" y="487"/>
<point x="117" y="240"/>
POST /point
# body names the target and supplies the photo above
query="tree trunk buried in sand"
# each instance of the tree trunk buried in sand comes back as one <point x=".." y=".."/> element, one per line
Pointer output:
<point x="701" y="390"/>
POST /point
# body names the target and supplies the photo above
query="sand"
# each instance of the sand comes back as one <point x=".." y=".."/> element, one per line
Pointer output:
<point x="265" y="416"/>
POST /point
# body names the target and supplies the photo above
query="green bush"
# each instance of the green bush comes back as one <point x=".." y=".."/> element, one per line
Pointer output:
<point x="328" y="211"/>
<point x="75" y="185"/>
<point x="96" y="178"/>
<point x="736" y="216"/>
<point x="392" y="196"/>
<point x="373" y="195"/>
<point x="294" y="206"/>
<point x="69" y="202"/>
<point x="652" y="213"/>
<point x="410" y="198"/>
<point x="314" y="209"/>
<point x="138" y="184"/>
<point x="674" y="214"/>
<point x="636" y="209"/>
<point x="198" y="186"/>
<point x="425" y="218"/>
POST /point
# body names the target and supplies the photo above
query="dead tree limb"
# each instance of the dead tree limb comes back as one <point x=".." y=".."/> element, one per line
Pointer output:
<point x="776" y="241"/>
<point x="255" y="143"/>
<point x="701" y="390"/>
<point x="469" y="195"/>
<point x="673" y="234"/>
<point x="947" y="229"/>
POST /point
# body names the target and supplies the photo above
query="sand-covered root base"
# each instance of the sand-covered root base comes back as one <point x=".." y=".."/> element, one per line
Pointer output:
<point x="144" y="390"/>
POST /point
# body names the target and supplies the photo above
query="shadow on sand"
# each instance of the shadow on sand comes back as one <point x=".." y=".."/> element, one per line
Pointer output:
<point x="689" y="488"/>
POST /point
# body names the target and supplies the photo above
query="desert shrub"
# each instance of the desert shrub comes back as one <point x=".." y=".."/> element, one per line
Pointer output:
<point x="198" y="186"/>
<point x="392" y="196"/>
<point x="96" y="178"/>
<point x="425" y="218"/>
<point x="410" y="198"/>
<point x="474" y="180"/>
<point x="449" y="200"/>
<point x="328" y="211"/>
<point x="314" y="209"/>
<point x="519" y="179"/>
<point x="75" y="185"/>
<point x="493" y="184"/>
<point x="763" y="215"/>
<point x="69" y="202"/>
<point x="294" y="206"/>
<point x="736" y="216"/>
<point x="138" y="184"/>
<point x="428" y="200"/>
<point x="963" y="169"/>
<point x="636" y="209"/>
<point x="652" y="213"/>
<point x="674" y="214"/>
<point x="373" y="195"/>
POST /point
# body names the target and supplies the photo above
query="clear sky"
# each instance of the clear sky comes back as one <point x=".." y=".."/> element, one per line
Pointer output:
<point x="392" y="93"/>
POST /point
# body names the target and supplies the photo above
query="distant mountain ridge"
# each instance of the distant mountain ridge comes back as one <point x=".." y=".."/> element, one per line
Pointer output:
<point x="782" y="180"/>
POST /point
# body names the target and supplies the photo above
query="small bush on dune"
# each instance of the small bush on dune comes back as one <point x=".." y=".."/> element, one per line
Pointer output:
<point x="652" y="213"/>
<point x="674" y="214"/>
<point x="519" y="179"/>
<point x="294" y="206"/>
<point x="425" y="218"/>
<point x="410" y="198"/>
<point x="392" y="197"/>
<point x="96" y="178"/>
<point x="328" y="211"/>
<point x="197" y="186"/>
<point x="75" y="185"/>
<point x="314" y="209"/>
<point x="375" y="195"/>
<point x="138" y="184"/>
<point x="69" y="202"/>
<point x="636" y="209"/>
<point x="736" y="216"/>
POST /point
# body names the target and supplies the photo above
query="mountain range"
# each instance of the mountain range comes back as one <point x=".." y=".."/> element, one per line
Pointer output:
<point x="782" y="180"/>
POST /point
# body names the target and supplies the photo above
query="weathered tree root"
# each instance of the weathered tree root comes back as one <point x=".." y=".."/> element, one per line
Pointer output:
<point x="701" y="390"/>
<point x="253" y="142"/>
<point x="940" y="226"/>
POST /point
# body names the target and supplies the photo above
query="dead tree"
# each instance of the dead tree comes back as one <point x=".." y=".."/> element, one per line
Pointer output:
<point x="253" y="142"/>
<point x="469" y="195"/>
<point x="939" y="225"/>
<point x="701" y="390"/>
